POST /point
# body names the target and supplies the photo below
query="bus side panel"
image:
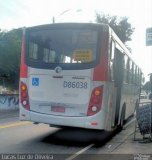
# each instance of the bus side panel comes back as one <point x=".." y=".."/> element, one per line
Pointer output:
<point x="130" y="95"/>
<point x="109" y="105"/>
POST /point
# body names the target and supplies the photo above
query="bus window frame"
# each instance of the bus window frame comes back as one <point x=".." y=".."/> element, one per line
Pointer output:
<point x="67" y="66"/>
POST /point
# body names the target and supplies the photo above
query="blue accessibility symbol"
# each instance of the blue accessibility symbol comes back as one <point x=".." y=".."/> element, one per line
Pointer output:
<point x="35" y="81"/>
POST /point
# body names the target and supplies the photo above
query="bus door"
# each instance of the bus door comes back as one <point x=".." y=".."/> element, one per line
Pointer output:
<point x="118" y="79"/>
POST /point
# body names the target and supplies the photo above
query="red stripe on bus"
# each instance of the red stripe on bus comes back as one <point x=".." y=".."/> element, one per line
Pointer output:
<point x="23" y="66"/>
<point x="101" y="70"/>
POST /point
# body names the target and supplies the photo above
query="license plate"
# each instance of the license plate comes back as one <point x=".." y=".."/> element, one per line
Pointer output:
<point x="58" y="109"/>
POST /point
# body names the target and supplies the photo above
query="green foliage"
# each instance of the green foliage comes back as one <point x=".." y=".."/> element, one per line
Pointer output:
<point x="120" y="25"/>
<point x="10" y="48"/>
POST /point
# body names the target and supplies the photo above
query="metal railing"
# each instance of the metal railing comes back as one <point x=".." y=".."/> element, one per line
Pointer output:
<point x="144" y="120"/>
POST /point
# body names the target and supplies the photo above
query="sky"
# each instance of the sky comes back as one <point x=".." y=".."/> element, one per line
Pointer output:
<point x="20" y="13"/>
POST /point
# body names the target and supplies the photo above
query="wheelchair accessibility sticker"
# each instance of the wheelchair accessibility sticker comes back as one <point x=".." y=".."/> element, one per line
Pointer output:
<point x="35" y="81"/>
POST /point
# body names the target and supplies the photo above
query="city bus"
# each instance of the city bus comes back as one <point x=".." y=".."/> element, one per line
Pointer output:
<point x="77" y="75"/>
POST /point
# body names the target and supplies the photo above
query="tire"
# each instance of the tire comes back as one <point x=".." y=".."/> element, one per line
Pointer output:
<point x="143" y="116"/>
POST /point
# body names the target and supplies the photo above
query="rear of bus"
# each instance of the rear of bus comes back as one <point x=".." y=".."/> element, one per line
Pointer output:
<point x="63" y="70"/>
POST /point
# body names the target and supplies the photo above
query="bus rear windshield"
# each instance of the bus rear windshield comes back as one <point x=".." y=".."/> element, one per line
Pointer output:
<point x="62" y="47"/>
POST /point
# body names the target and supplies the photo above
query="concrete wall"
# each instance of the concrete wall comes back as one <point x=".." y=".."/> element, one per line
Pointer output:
<point x="9" y="101"/>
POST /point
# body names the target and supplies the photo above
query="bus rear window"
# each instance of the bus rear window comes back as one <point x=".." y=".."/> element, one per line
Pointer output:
<point x="62" y="46"/>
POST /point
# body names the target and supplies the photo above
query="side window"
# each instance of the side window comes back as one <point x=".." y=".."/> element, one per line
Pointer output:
<point x="46" y="55"/>
<point x="49" y="56"/>
<point x="112" y="52"/>
<point x="135" y="76"/>
<point x="125" y="69"/>
<point x="118" y="67"/>
<point x="52" y="55"/>
<point x="133" y="73"/>
<point x="33" y="51"/>
<point x="128" y="68"/>
<point x="130" y="72"/>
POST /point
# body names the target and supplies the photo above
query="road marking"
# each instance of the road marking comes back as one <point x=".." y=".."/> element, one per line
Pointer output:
<point x="14" y="124"/>
<point x="127" y="124"/>
<point x="80" y="152"/>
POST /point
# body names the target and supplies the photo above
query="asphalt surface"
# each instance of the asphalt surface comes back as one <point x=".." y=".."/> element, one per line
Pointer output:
<point x="69" y="143"/>
<point x="5" y="113"/>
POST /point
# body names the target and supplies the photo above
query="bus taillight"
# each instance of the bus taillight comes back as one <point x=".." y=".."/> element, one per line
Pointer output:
<point x="24" y="98"/>
<point x="95" y="101"/>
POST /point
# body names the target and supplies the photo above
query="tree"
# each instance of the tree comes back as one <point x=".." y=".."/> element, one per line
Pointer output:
<point x="120" y="25"/>
<point x="10" y="48"/>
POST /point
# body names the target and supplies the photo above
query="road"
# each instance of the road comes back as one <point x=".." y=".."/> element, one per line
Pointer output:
<point x="25" y="137"/>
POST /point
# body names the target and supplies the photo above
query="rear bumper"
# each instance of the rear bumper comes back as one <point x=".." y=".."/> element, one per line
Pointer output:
<point x="90" y="122"/>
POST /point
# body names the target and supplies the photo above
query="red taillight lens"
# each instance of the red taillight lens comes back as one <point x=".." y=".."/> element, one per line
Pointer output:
<point x="24" y="94"/>
<point x="95" y="101"/>
<point x="24" y="98"/>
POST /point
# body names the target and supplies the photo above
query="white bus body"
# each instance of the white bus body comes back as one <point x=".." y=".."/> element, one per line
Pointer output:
<point x="76" y="90"/>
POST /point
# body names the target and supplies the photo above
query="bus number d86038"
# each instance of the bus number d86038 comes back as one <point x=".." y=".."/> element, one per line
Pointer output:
<point x="68" y="84"/>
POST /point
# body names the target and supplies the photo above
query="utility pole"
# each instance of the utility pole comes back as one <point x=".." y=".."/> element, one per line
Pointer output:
<point x="64" y="12"/>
